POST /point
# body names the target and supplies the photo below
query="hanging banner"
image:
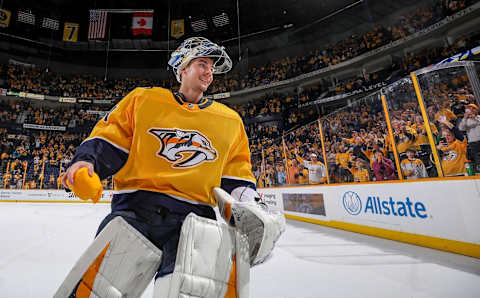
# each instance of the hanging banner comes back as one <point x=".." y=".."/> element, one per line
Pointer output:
<point x="70" y="32"/>
<point x="178" y="28"/>
<point x="142" y="23"/>
<point x="50" y="24"/>
<point x="26" y="17"/>
<point x="97" y="24"/>
<point x="5" y="17"/>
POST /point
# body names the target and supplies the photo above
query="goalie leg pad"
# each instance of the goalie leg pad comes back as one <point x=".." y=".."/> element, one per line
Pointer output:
<point x="120" y="262"/>
<point x="212" y="262"/>
<point x="261" y="226"/>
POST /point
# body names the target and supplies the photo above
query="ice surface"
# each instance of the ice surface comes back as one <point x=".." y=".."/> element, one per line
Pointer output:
<point x="42" y="241"/>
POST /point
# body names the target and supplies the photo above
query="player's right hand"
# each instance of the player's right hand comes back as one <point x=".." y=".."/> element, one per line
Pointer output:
<point x="70" y="173"/>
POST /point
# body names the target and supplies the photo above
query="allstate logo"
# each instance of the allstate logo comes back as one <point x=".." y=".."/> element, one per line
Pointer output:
<point x="352" y="203"/>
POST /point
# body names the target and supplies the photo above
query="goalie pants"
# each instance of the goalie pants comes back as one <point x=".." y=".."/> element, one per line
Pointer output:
<point x="159" y="218"/>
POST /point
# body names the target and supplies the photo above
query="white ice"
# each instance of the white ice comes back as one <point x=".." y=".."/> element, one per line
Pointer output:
<point x="41" y="242"/>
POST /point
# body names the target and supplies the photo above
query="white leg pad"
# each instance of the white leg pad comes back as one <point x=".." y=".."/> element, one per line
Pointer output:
<point x="212" y="260"/>
<point x="120" y="262"/>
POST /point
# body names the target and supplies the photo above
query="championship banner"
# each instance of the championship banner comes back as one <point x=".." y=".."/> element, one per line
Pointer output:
<point x="70" y="32"/>
<point x="50" y="23"/>
<point x="5" y="17"/>
<point x="26" y="17"/>
<point x="178" y="28"/>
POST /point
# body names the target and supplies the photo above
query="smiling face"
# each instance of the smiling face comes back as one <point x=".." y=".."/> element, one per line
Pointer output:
<point x="198" y="75"/>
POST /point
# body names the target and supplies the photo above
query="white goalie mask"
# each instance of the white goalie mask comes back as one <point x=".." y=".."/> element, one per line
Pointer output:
<point x="196" y="47"/>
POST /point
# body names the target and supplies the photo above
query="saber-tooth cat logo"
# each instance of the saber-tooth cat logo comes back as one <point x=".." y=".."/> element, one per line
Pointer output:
<point x="184" y="148"/>
<point x="388" y="207"/>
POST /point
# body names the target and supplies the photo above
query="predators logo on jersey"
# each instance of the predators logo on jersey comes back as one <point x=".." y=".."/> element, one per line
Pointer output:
<point x="184" y="148"/>
<point x="449" y="155"/>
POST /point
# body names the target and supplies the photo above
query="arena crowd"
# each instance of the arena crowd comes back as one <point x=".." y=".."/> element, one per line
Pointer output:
<point x="284" y="131"/>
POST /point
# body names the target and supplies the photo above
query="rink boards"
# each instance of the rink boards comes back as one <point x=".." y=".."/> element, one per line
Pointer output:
<point x="438" y="213"/>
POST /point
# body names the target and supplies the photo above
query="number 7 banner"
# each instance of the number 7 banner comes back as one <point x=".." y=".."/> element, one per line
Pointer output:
<point x="70" y="32"/>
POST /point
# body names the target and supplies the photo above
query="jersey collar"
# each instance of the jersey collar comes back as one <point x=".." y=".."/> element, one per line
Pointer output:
<point x="204" y="102"/>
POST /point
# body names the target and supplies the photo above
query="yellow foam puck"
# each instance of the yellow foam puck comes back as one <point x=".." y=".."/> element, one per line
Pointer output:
<point x="86" y="187"/>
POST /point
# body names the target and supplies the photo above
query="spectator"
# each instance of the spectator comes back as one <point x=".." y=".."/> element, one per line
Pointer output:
<point x="293" y="172"/>
<point x="302" y="175"/>
<point x="413" y="168"/>
<point x="453" y="154"/>
<point x="360" y="172"/>
<point x="281" y="175"/>
<point x="317" y="173"/>
<point x="383" y="168"/>
<point x="471" y="124"/>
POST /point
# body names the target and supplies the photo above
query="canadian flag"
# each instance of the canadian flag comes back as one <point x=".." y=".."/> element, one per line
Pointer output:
<point x="142" y="23"/>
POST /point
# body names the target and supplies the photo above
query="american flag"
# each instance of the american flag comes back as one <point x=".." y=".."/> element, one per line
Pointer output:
<point x="98" y="23"/>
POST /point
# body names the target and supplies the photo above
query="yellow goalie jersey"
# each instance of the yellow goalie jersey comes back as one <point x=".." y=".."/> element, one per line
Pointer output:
<point x="175" y="147"/>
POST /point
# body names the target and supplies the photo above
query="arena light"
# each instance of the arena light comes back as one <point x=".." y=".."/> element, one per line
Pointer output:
<point x="200" y="25"/>
<point x="221" y="20"/>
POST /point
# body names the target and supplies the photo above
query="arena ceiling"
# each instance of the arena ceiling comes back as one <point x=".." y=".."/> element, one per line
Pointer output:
<point x="255" y="18"/>
<point x="263" y="26"/>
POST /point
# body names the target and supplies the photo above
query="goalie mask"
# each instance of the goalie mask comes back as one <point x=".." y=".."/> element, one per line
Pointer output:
<point x="196" y="47"/>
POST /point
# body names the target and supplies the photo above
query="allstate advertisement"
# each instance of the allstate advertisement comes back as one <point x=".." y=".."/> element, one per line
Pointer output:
<point x="354" y="205"/>
<point x="448" y="209"/>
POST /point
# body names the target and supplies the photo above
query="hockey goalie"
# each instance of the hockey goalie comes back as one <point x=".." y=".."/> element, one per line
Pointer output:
<point x="174" y="157"/>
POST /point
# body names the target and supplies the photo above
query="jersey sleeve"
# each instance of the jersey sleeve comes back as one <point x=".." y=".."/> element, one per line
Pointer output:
<point x="238" y="166"/>
<point x="117" y="126"/>
<point x="107" y="147"/>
